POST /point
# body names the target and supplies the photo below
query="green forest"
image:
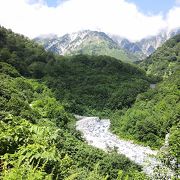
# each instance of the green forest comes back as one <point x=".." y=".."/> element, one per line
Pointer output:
<point x="156" y="112"/>
<point x="40" y="92"/>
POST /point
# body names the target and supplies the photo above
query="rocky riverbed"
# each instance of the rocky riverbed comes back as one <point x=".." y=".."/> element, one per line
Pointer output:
<point x="96" y="133"/>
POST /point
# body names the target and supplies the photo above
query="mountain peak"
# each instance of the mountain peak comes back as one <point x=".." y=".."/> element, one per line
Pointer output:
<point x="100" y="43"/>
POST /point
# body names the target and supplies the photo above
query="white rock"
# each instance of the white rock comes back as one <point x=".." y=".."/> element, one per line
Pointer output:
<point x="96" y="132"/>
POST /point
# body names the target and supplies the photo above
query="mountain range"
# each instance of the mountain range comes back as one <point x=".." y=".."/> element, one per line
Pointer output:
<point x="99" y="43"/>
<point x="85" y="42"/>
<point x="40" y="92"/>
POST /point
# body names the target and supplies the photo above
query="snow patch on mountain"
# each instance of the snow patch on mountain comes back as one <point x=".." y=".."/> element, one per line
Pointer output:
<point x="70" y="43"/>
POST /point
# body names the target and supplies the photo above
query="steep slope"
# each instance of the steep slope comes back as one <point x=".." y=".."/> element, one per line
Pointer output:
<point x="85" y="42"/>
<point x="90" y="83"/>
<point x="37" y="135"/>
<point x="149" y="45"/>
<point x="84" y="82"/>
<point x="156" y="112"/>
<point x="166" y="60"/>
<point x="99" y="43"/>
<point x="127" y="45"/>
<point x="146" y="46"/>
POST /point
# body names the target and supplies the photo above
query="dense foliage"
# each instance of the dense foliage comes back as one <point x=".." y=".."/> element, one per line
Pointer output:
<point x="37" y="135"/>
<point x="153" y="113"/>
<point x="23" y="54"/>
<point x="89" y="82"/>
<point x="38" y="140"/>
<point x="157" y="111"/>
<point x="39" y="91"/>
<point x="83" y="83"/>
<point x="166" y="60"/>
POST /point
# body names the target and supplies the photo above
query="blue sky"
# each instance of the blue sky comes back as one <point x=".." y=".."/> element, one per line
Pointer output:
<point x="52" y="3"/>
<point x="145" y="6"/>
<point x="132" y="19"/>
<point x="154" y="6"/>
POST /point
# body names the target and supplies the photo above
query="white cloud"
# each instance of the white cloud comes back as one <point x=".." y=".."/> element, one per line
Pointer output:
<point x="178" y="2"/>
<point x="173" y="18"/>
<point x="34" y="17"/>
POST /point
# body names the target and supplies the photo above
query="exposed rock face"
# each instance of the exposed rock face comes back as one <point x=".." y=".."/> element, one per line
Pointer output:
<point x="85" y="42"/>
<point x="100" y="43"/>
<point x="146" y="46"/>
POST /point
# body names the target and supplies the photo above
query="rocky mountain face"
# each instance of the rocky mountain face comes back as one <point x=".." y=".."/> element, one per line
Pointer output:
<point x="85" y="42"/>
<point x="149" y="45"/>
<point x="146" y="46"/>
<point x="99" y="43"/>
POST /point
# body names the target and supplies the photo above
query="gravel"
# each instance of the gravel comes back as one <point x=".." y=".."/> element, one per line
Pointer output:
<point x="96" y="133"/>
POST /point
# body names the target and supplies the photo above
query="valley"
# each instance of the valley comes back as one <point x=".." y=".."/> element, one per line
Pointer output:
<point x="96" y="133"/>
<point x="41" y="91"/>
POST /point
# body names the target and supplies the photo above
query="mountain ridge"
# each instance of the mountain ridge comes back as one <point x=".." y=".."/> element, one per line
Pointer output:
<point x="99" y="43"/>
<point x="37" y="133"/>
<point x="146" y="46"/>
<point x="86" y="42"/>
<point x="40" y="91"/>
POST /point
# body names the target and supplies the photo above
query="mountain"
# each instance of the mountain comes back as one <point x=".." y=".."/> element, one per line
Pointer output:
<point x="146" y="46"/>
<point x="94" y="83"/>
<point x="99" y="43"/>
<point x="37" y="132"/>
<point x="155" y="114"/>
<point x="149" y="45"/>
<point x="85" y="42"/>
<point x="131" y="47"/>
<point x="40" y="92"/>
<point x="165" y="61"/>
<point x="84" y="82"/>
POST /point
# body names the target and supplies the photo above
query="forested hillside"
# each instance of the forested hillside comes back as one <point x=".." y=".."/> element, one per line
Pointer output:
<point x="90" y="83"/>
<point x="37" y="135"/>
<point x="40" y="91"/>
<point x="156" y="112"/>
<point x="83" y="83"/>
<point x="166" y="60"/>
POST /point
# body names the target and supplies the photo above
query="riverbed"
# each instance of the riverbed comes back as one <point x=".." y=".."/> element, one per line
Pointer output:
<point x="96" y="133"/>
